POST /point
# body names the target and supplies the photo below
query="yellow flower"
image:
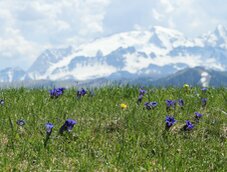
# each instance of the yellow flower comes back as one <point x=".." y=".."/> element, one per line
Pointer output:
<point x="123" y="106"/>
<point x="186" y="87"/>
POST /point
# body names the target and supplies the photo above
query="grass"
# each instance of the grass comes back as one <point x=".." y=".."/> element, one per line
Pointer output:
<point x="108" y="138"/>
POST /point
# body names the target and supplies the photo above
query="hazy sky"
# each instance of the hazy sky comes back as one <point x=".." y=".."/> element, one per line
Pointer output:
<point x="27" y="27"/>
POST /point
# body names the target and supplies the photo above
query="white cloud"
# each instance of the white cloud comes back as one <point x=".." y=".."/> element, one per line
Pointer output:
<point x="168" y="6"/>
<point x="28" y="27"/>
<point x="157" y="16"/>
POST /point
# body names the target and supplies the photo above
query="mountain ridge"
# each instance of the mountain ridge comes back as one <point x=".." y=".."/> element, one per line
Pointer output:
<point x="157" y="52"/>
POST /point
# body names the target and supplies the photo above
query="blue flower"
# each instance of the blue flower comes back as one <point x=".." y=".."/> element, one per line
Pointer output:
<point x="49" y="127"/>
<point x="181" y="102"/>
<point x="56" y="92"/>
<point x="61" y="89"/>
<point x="204" y="102"/>
<point x="198" y="115"/>
<point x="2" y="102"/>
<point x="188" y="126"/>
<point x="81" y="93"/>
<point x="170" y="104"/>
<point x="150" y="105"/>
<point x="170" y="121"/>
<point x="204" y="89"/>
<point x="142" y="92"/>
<point x="20" y="122"/>
<point x="67" y="126"/>
<point x="139" y="100"/>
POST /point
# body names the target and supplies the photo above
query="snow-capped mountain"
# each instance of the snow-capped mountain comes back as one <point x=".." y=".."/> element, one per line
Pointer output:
<point x="46" y="60"/>
<point x="155" y="53"/>
<point x="12" y="74"/>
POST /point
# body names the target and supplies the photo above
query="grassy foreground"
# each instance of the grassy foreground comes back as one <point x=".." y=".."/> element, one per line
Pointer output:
<point x="109" y="138"/>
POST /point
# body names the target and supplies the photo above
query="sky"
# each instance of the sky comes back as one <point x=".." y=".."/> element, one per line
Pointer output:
<point x="28" y="27"/>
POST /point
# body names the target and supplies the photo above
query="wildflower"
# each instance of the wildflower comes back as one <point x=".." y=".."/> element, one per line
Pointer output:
<point x="181" y="102"/>
<point x="153" y="104"/>
<point x="150" y="105"/>
<point x="56" y="92"/>
<point x="62" y="89"/>
<point x="81" y="93"/>
<point x="139" y="100"/>
<point x="204" y="102"/>
<point x="204" y="89"/>
<point x="20" y="122"/>
<point x="2" y="102"/>
<point x="142" y="92"/>
<point x="49" y="127"/>
<point x="186" y="87"/>
<point x="123" y="106"/>
<point x="198" y="116"/>
<point x="170" y="121"/>
<point x="188" y="126"/>
<point x="67" y="126"/>
<point x="169" y="104"/>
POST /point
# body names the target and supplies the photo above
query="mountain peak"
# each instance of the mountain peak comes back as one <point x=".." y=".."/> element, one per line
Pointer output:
<point x="217" y="38"/>
<point x="161" y="30"/>
<point x="220" y="31"/>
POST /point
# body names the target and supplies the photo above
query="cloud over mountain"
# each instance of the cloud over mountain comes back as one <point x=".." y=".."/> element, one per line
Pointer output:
<point x="28" y="27"/>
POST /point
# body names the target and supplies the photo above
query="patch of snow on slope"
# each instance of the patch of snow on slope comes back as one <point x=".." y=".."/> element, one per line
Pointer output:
<point x="86" y="72"/>
<point x="135" y="62"/>
<point x="10" y="75"/>
<point x="109" y="44"/>
<point x="205" y="79"/>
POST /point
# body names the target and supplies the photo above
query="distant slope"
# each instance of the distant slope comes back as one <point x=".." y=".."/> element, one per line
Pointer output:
<point x="194" y="76"/>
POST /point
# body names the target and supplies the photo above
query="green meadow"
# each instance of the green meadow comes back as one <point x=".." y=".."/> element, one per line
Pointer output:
<point x="110" y="138"/>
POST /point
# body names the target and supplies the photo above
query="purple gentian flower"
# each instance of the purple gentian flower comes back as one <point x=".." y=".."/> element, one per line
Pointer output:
<point x="56" y="92"/>
<point x="188" y="126"/>
<point x="153" y="104"/>
<point x="20" y="122"/>
<point x="198" y="116"/>
<point x="142" y="92"/>
<point x="170" y="121"/>
<point x="181" y="102"/>
<point x="147" y="105"/>
<point x="2" y="102"/>
<point x="81" y="93"/>
<point x="49" y="127"/>
<point x="61" y="89"/>
<point x="204" y="89"/>
<point x="150" y="105"/>
<point x="139" y="100"/>
<point x="204" y="102"/>
<point x="169" y="104"/>
<point x="67" y="126"/>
